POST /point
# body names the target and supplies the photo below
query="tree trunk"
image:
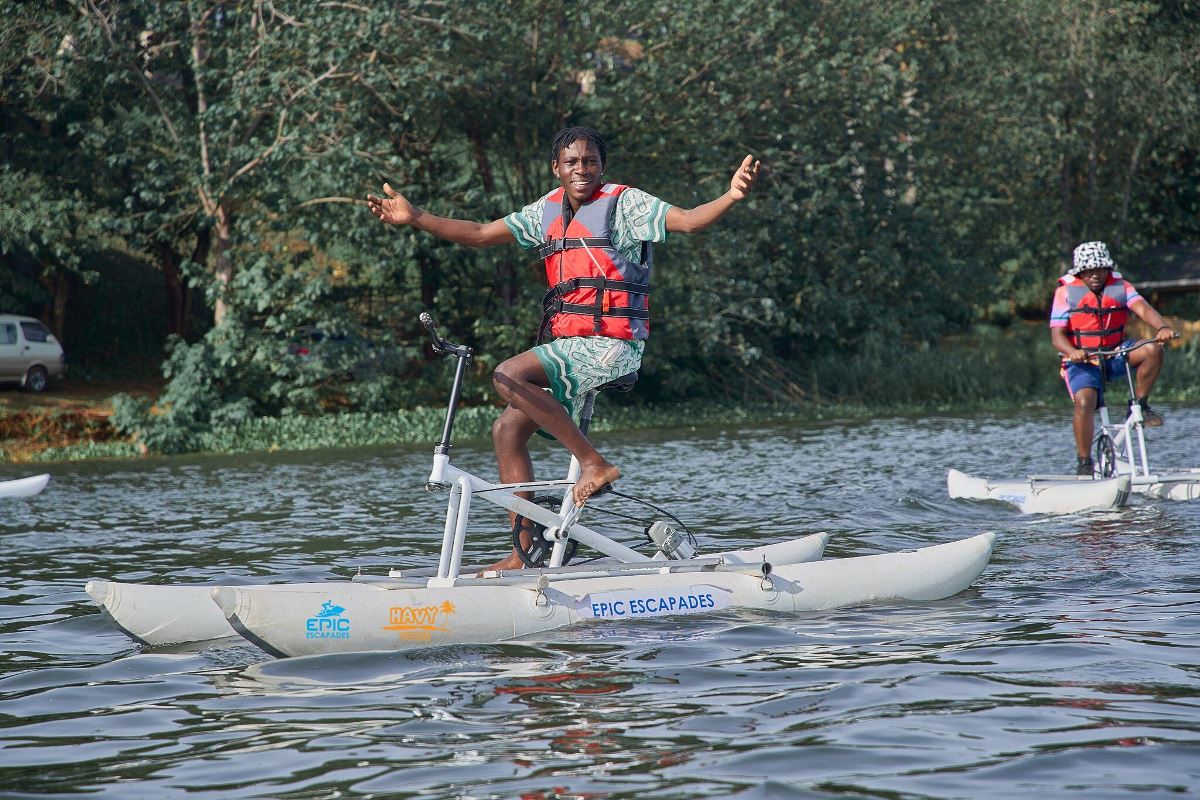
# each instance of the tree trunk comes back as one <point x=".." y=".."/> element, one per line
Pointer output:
<point x="223" y="264"/>
<point x="508" y="275"/>
<point x="1065" y="236"/>
<point x="1127" y="189"/>
<point x="199" y="256"/>
<point x="1092" y="167"/>
<point x="168" y="262"/>
<point x="58" y="283"/>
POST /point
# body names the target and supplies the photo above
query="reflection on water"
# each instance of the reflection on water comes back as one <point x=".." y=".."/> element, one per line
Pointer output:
<point x="1070" y="668"/>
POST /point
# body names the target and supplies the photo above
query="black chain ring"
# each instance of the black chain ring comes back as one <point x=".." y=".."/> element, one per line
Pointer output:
<point x="1106" y="457"/>
<point x="539" y="549"/>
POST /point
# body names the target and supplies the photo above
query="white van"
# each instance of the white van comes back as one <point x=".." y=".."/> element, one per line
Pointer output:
<point x="29" y="353"/>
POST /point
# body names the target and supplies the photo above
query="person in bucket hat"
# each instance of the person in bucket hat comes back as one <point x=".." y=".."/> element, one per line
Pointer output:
<point x="1090" y="308"/>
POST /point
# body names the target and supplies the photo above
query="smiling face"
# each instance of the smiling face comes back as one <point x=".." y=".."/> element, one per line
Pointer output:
<point x="1095" y="278"/>
<point x="579" y="168"/>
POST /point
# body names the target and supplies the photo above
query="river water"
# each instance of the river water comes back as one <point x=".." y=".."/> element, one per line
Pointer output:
<point x="1070" y="669"/>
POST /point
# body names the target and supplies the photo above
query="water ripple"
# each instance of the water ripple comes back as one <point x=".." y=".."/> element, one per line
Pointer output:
<point x="1071" y="668"/>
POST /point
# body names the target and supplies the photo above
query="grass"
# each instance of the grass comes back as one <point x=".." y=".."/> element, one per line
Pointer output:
<point x="986" y="370"/>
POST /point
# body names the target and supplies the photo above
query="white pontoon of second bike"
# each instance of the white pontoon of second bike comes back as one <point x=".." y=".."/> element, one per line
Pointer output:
<point x="24" y="487"/>
<point x="1176" y="484"/>
<point x="1045" y="494"/>
<point x="450" y="605"/>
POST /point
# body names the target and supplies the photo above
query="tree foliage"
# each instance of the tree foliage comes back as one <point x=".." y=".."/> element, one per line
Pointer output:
<point x="928" y="165"/>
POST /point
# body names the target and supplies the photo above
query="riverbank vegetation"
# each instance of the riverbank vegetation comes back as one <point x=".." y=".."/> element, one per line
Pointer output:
<point x="988" y="369"/>
<point x="183" y="184"/>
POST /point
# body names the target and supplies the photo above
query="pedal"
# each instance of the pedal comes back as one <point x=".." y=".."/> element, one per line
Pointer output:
<point x="671" y="542"/>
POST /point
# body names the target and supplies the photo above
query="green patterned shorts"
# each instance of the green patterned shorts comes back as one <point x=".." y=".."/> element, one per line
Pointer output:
<point x="577" y="364"/>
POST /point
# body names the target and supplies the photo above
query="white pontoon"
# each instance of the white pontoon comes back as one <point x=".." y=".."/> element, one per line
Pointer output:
<point x="451" y="604"/>
<point x="24" y="487"/>
<point x="1042" y="494"/>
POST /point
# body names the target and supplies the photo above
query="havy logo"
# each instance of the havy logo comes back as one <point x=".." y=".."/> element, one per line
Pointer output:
<point x="419" y="622"/>
<point x="328" y="623"/>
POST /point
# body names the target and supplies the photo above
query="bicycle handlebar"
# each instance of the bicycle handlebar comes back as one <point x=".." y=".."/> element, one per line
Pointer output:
<point x="1120" y="351"/>
<point x="440" y="345"/>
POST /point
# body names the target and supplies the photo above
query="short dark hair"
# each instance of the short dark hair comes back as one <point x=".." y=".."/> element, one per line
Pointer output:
<point x="568" y="136"/>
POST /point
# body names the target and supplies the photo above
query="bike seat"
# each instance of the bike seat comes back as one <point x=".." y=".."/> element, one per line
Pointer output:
<point x="621" y="384"/>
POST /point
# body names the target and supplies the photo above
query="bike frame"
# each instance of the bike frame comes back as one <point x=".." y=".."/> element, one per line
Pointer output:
<point x="464" y="486"/>
<point x="1124" y="435"/>
<point x="1136" y="462"/>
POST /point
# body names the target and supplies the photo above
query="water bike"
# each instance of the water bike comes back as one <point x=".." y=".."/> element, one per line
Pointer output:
<point x="1120" y="468"/>
<point x="660" y="574"/>
<point x="24" y="487"/>
<point x="1120" y="448"/>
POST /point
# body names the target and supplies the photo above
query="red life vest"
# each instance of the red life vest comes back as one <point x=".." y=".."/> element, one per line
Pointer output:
<point x="1097" y="321"/>
<point x="594" y="290"/>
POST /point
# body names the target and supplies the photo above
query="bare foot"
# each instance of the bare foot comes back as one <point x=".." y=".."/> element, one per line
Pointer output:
<point x="591" y="479"/>
<point x="512" y="561"/>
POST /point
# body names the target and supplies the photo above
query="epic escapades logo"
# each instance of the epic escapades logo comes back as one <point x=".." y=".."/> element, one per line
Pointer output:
<point x="628" y="603"/>
<point x="328" y="623"/>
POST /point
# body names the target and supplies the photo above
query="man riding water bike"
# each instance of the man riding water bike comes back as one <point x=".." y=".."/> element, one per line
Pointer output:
<point x="594" y="239"/>
<point x="1090" y="308"/>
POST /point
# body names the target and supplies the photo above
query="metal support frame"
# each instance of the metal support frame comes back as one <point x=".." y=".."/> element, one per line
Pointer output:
<point x="560" y="527"/>
<point x="1131" y="461"/>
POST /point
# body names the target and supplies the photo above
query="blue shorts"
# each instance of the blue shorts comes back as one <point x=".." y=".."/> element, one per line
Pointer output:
<point x="1087" y="376"/>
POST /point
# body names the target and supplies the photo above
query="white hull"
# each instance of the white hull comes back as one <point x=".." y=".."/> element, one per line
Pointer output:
<point x="1043" y="495"/>
<point x="24" y="487"/>
<point x="1168" y="488"/>
<point x="157" y="615"/>
<point x="1175" y="484"/>
<point x="320" y="618"/>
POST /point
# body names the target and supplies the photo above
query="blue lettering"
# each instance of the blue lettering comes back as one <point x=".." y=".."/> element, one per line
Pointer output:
<point x="627" y="606"/>
<point x="321" y="627"/>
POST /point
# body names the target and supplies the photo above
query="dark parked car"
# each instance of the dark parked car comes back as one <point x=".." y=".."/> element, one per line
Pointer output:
<point x="352" y="352"/>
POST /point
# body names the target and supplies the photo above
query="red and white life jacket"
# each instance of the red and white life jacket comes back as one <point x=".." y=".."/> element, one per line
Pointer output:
<point x="594" y="290"/>
<point x="1097" y="321"/>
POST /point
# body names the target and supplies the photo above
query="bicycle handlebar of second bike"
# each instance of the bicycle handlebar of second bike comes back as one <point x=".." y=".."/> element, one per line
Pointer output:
<point x="1120" y="351"/>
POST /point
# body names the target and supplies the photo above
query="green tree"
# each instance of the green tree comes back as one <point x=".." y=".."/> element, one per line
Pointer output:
<point x="52" y="219"/>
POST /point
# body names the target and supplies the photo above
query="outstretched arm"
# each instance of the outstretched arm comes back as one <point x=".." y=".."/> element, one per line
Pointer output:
<point x="700" y="217"/>
<point x="396" y="210"/>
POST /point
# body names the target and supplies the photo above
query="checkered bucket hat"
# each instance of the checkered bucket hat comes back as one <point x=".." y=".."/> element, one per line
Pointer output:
<point x="1091" y="255"/>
